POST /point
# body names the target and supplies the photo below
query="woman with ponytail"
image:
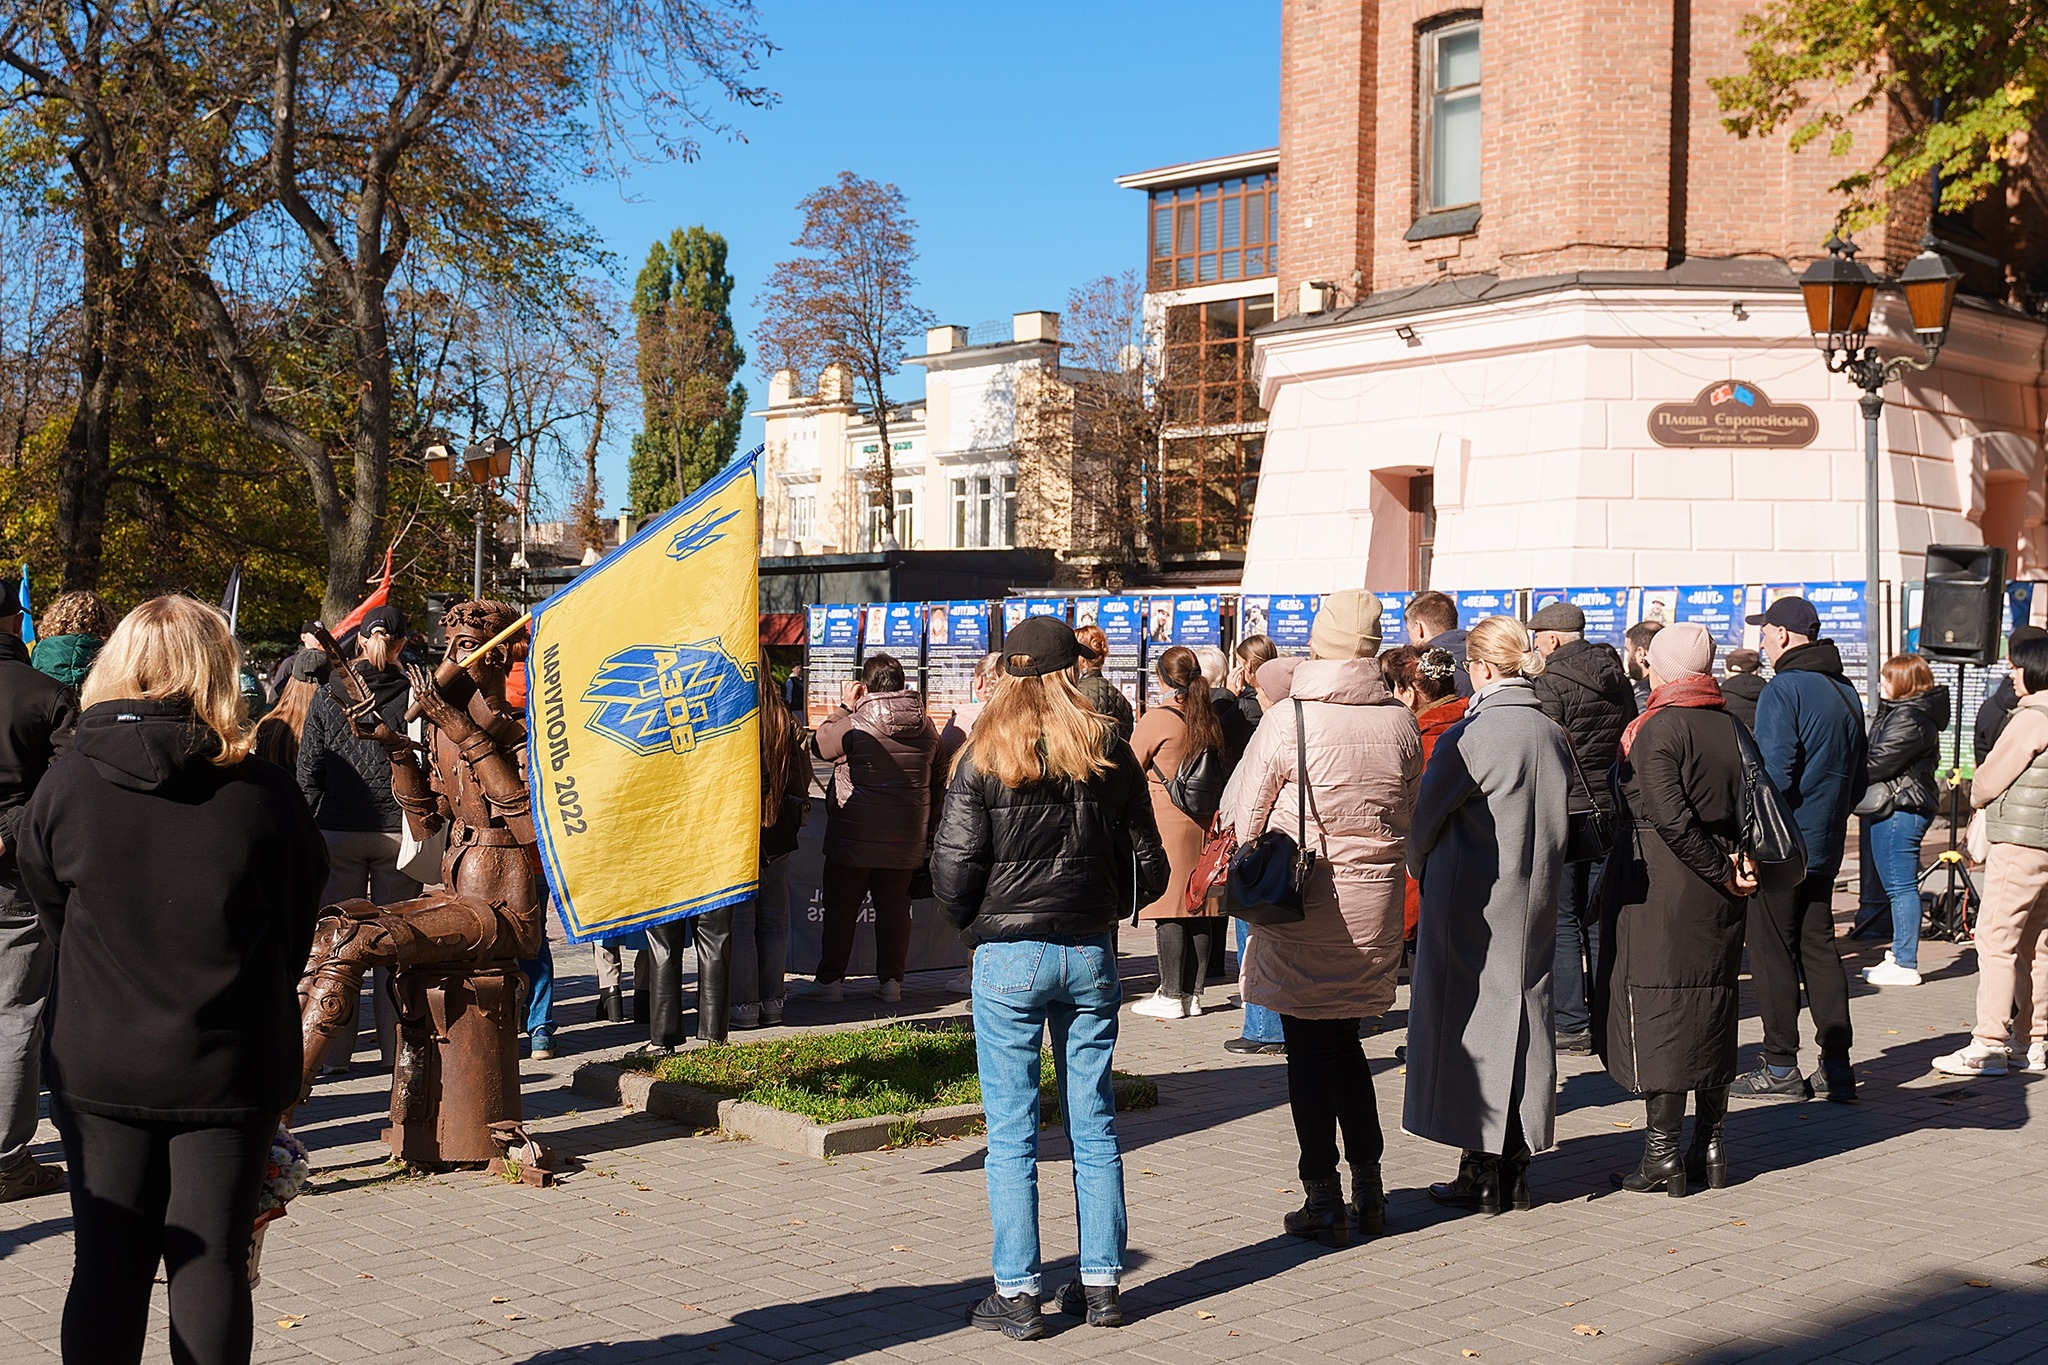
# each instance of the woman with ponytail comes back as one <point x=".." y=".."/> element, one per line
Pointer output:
<point x="1488" y="846"/>
<point x="1170" y="734"/>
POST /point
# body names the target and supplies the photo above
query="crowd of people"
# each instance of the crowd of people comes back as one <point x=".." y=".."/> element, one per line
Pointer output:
<point x="1551" y="838"/>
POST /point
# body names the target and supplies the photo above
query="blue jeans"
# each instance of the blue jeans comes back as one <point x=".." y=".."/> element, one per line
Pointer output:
<point x="1261" y="1025"/>
<point x="1578" y="944"/>
<point x="540" y="992"/>
<point x="1019" y="990"/>
<point x="1894" y="844"/>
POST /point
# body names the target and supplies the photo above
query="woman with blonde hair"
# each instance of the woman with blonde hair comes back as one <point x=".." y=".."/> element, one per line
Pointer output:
<point x="1046" y="839"/>
<point x="1488" y="845"/>
<point x="71" y="634"/>
<point x="174" y="1020"/>
<point x="277" y="734"/>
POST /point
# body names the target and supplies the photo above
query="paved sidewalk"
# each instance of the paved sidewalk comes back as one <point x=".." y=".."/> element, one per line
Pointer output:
<point x="1911" y="1227"/>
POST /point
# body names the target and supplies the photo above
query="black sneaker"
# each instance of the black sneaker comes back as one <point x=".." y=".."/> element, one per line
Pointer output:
<point x="1251" y="1047"/>
<point x="1575" y="1044"/>
<point x="1760" y="1084"/>
<point x="1835" y="1082"/>
<point x="1016" y="1318"/>
<point x="1097" y="1302"/>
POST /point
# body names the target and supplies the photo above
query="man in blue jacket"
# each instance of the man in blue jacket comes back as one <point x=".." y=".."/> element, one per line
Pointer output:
<point x="1809" y="728"/>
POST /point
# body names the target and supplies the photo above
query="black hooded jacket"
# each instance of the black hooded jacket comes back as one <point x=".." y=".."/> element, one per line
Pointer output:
<point x="1740" y="692"/>
<point x="1992" y="716"/>
<point x="181" y="896"/>
<point x="1056" y="861"/>
<point x="36" y="716"/>
<point x="1583" y="688"/>
<point x="1905" y="745"/>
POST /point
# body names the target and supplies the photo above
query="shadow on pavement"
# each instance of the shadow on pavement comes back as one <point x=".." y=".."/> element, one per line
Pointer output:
<point x="1986" y="1322"/>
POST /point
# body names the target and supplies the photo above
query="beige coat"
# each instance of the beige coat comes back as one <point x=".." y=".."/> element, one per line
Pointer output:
<point x="1364" y="768"/>
<point x="1160" y="741"/>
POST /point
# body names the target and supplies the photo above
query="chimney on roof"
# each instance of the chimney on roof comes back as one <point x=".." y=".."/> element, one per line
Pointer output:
<point x="1035" y="326"/>
<point x="939" y="340"/>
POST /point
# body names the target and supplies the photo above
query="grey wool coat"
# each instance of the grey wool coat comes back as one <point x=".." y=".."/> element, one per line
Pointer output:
<point x="1487" y="843"/>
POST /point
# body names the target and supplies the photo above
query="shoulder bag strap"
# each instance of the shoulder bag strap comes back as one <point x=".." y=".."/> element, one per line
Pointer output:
<point x="1304" y="797"/>
<point x="1579" y="768"/>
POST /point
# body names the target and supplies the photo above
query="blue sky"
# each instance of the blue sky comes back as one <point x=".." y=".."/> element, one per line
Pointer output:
<point x="1004" y="124"/>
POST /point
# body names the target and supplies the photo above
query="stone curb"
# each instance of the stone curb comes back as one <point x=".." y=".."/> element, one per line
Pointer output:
<point x="784" y="1131"/>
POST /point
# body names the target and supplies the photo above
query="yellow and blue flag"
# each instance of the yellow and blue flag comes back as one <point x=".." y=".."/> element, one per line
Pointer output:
<point x="643" y="716"/>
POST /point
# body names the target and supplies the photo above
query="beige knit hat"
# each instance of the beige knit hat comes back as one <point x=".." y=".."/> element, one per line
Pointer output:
<point x="1347" y="626"/>
<point x="1682" y="651"/>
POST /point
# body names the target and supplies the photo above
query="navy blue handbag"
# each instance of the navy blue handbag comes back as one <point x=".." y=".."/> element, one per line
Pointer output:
<point x="1267" y="875"/>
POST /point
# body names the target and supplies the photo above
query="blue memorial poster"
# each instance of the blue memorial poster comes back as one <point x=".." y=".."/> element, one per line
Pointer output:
<point x="903" y="630"/>
<point x="1393" y="617"/>
<point x="1841" y="610"/>
<point x="1652" y="604"/>
<point x="1016" y="609"/>
<point x="1718" y="607"/>
<point x="1285" y="620"/>
<point x="832" y="656"/>
<point x="1122" y="620"/>
<point x="955" y="638"/>
<point x="1477" y="604"/>
<point x="1198" y="620"/>
<point x="1606" y="609"/>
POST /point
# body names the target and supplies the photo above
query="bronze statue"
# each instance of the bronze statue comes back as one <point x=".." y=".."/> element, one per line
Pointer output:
<point x="454" y="952"/>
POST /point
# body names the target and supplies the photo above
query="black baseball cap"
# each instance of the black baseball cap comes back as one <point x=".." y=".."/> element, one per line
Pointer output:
<point x="1046" y="644"/>
<point x="389" y="620"/>
<point x="312" y="665"/>
<point x="1795" y="614"/>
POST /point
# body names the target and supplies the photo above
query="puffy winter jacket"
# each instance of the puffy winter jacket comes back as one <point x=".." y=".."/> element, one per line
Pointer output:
<point x="1905" y="743"/>
<point x="68" y="658"/>
<point x="1582" y="687"/>
<point x="2012" y="781"/>
<point x="1740" y="691"/>
<point x="885" y="781"/>
<point x="1052" y="860"/>
<point x="1108" y="700"/>
<point x="345" y="778"/>
<point x="1809" y="728"/>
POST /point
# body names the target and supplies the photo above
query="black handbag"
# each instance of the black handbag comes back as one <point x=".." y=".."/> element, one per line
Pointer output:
<point x="1268" y="875"/>
<point x="1770" y="838"/>
<point x="1588" y="834"/>
<point x="1196" y="789"/>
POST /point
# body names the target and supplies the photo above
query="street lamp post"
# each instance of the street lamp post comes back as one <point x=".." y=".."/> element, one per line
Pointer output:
<point x="483" y="464"/>
<point x="1839" y="291"/>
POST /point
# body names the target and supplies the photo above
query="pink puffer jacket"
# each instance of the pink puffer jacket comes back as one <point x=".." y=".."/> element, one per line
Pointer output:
<point x="1364" y="767"/>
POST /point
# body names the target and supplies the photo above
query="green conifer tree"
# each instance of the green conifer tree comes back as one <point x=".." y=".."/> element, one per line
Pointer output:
<point x="689" y="364"/>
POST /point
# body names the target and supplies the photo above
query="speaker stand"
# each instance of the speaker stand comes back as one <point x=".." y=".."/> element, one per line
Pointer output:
<point x="1955" y="908"/>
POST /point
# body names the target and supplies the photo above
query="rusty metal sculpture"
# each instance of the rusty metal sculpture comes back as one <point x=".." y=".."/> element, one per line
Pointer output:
<point x="454" y="952"/>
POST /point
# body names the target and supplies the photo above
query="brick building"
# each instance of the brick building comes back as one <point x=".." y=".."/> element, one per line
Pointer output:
<point x="1519" y="239"/>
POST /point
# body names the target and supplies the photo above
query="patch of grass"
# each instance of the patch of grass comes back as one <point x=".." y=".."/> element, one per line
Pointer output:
<point x="889" y="1069"/>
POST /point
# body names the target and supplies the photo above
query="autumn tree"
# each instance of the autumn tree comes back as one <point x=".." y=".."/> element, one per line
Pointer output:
<point x="845" y="299"/>
<point x="1089" y="434"/>
<point x="290" y="156"/>
<point x="691" y="401"/>
<point x="1968" y="78"/>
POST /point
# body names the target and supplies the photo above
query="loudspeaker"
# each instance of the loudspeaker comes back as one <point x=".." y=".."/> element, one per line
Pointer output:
<point x="1960" y="616"/>
<point x="437" y="607"/>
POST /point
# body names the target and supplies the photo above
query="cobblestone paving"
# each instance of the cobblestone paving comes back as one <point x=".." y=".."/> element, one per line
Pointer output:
<point x="1910" y="1227"/>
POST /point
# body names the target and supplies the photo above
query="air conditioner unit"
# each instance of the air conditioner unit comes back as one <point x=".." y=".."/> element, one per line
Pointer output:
<point x="1315" y="296"/>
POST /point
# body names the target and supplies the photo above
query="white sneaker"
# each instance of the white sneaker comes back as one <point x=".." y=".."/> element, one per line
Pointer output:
<point x="889" y="992"/>
<point x="1194" y="1004"/>
<point x="2037" y="1058"/>
<point x="1890" y="973"/>
<point x="826" y="992"/>
<point x="1978" y="1059"/>
<point x="1157" y="1006"/>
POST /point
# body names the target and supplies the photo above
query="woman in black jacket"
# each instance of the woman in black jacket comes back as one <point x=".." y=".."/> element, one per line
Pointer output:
<point x="180" y="879"/>
<point x="1678" y="898"/>
<point x="1047" y="838"/>
<point x="1905" y="745"/>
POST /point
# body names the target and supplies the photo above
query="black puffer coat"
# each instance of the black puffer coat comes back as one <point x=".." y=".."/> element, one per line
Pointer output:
<point x="1672" y="947"/>
<point x="345" y="778"/>
<point x="1905" y="744"/>
<point x="1055" y="861"/>
<point x="1583" y="688"/>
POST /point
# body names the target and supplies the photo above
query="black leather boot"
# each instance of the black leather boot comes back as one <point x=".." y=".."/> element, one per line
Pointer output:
<point x="1706" y="1161"/>
<point x="1476" y="1186"/>
<point x="1368" y="1200"/>
<point x="1324" y="1216"/>
<point x="1663" y="1167"/>
<point x="610" y="1009"/>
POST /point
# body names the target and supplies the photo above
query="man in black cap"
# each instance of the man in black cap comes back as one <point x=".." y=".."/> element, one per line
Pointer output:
<point x="1997" y="708"/>
<point x="1809" y="729"/>
<point x="37" y="716"/>
<point x="1582" y="688"/>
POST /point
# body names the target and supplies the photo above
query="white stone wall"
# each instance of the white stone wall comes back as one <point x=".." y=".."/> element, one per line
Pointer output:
<point x="1533" y="416"/>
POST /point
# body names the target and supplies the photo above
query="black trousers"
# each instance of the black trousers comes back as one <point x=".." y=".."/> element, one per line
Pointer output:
<point x="713" y="934"/>
<point x="1329" y="1088"/>
<point x="143" y="1193"/>
<point x="1792" y="941"/>
<point x="1187" y="947"/>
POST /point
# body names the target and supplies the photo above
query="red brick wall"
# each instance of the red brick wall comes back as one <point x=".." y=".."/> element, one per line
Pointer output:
<point x="1327" y="122"/>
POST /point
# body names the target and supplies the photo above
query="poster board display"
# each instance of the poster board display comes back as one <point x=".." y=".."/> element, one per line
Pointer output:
<point x="1123" y="624"/>
<point x="1016" y="610"/>
<point x="1606" y="610"/>
<point x="1718" y="607"/>
<point x="1184" y="619"/>
<point x="1284" y="619"/>
<point x="1477" y="604"/>
<point x="1394" y="617"/>
<point x="831" y="656"/>
<point x="956" y="635"/>
<point x="1841" y="609"/>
